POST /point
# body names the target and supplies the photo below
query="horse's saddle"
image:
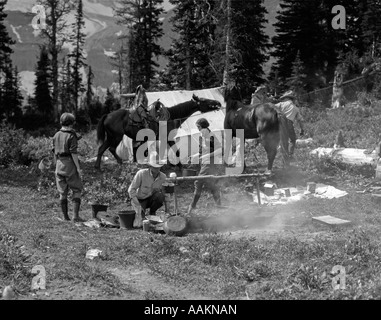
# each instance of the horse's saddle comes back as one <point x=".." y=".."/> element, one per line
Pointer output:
<point x="138" y="117"/>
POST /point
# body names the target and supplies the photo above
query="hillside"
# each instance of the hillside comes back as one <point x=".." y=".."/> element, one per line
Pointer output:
<point x="102" y="33"/>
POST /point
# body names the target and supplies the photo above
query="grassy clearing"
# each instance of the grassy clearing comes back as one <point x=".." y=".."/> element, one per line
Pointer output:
<point x="293" y="264"/>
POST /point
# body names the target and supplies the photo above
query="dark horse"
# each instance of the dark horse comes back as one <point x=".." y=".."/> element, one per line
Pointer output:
<point x="114" y="125"/>
<point x="258" y="121"/>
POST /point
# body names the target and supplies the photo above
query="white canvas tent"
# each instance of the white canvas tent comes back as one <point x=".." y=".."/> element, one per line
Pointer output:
<point x="188" y="128"/>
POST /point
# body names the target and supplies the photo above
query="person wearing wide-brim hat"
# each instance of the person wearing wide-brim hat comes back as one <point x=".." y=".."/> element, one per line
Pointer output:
<point x="146" y="189"/>
<point x="289" y="113"/>
<point x="288" y="95"/>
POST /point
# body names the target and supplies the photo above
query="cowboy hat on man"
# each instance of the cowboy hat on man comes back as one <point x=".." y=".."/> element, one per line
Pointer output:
<point x="146" y="189"/>
<point x="288" y="95"/>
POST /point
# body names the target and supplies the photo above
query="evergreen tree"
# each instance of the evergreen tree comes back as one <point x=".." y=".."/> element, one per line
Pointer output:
<point x="142" y="17"/>
<point x="250" y="40"/>
<point x="5" y="54"/>
<point x="190" y="65"/>
<point x="305" y="26"/>
<point x="56" y="34"/>
<point x="371" y="24"/>
<point x="42" y="84"/>
<point x="67" y="101"/>
<point x="12" y="97"/>
<point x="5" y="40"/>
<point x="18" y="98"/>
<point x="121" y="61"/>
<point x="299" y="29"/>
<point x="248" y="43"/>
<point x="297" y="79"/>
<point x="352" y="38"/>
<point x="78" y="41"/>
<point x="89" y="90"/>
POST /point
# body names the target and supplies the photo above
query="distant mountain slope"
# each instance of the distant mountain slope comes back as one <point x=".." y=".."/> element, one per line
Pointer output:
<point x="102" y="33"/>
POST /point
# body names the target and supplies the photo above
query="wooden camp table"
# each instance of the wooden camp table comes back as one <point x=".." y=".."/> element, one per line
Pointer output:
<point x="192" y="178"/>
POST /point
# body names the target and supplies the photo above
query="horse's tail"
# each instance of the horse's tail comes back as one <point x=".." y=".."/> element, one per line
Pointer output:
<point x="101" y="132"/>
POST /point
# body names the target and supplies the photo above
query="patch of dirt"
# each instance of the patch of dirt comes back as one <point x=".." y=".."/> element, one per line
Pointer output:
<point x="150" y="287"/>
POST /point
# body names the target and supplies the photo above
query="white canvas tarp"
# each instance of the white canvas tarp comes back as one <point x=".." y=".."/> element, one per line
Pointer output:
<point x="188" y="134"/>
<point x="346" y="155"/>
<point x="172" y="98"/>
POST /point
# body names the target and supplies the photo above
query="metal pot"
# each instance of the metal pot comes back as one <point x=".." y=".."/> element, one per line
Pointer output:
<point x="169" y="188"/>
<point x="175" y="226"/>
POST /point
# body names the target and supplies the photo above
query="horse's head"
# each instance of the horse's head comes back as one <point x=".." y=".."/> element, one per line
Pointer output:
<point x="140" y="97"/>
<point x="206" y="105"/>
<point x="157" y="112"/>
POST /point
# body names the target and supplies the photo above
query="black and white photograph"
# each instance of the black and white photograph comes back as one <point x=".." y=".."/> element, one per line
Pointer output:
<point x="190" y="156"/>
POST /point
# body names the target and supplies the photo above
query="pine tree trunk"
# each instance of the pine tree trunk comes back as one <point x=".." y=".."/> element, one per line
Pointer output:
<point x="54" y="53"/>
<point x="228" y="44"/>
<point x="188" y="69"/>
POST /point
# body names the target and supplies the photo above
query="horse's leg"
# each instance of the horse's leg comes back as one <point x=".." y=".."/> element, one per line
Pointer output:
<point x="135" y="149"/>
<point x="284" y="137"/>
<point x="243" y="153"/>
<point x="113" y="152"/>
<point x="228" y="139"/>
<point x="105" y="145"/>
<point x="270" y="143"/>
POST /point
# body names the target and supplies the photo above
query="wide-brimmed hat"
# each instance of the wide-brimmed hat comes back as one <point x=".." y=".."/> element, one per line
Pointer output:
<point x="153" y="162"/>
<point x="289" y="95"/>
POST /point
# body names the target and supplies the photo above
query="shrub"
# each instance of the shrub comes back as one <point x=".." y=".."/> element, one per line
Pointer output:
<point x="11" y="141"/>
<point x="37" y="148"/>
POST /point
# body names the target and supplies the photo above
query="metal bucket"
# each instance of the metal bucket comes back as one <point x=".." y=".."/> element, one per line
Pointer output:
<point x="169" y="188"/>
<point x="175" y="226"/>
<point x="146" y="225"/>
<point x="126" y="219"/>
<point x="189" y="173"/>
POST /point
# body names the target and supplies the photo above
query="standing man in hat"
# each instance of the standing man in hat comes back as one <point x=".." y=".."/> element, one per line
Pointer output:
<point x="146" y="189"/>
<point x="291" y="113"/>
<point x="209" y="149"/>
<point x="68" y="172"/>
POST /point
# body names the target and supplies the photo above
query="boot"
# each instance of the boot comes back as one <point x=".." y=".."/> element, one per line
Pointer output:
<point x="64" y="209"/>
<point x="77" y="205"/>
<point x="94" y="213"/>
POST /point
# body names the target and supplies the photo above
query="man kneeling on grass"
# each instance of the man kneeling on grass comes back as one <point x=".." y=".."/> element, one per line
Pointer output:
<point x="146" y="189"/>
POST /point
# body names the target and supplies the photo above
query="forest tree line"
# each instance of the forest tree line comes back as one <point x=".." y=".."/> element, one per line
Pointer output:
<point x="218" y="42"/>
